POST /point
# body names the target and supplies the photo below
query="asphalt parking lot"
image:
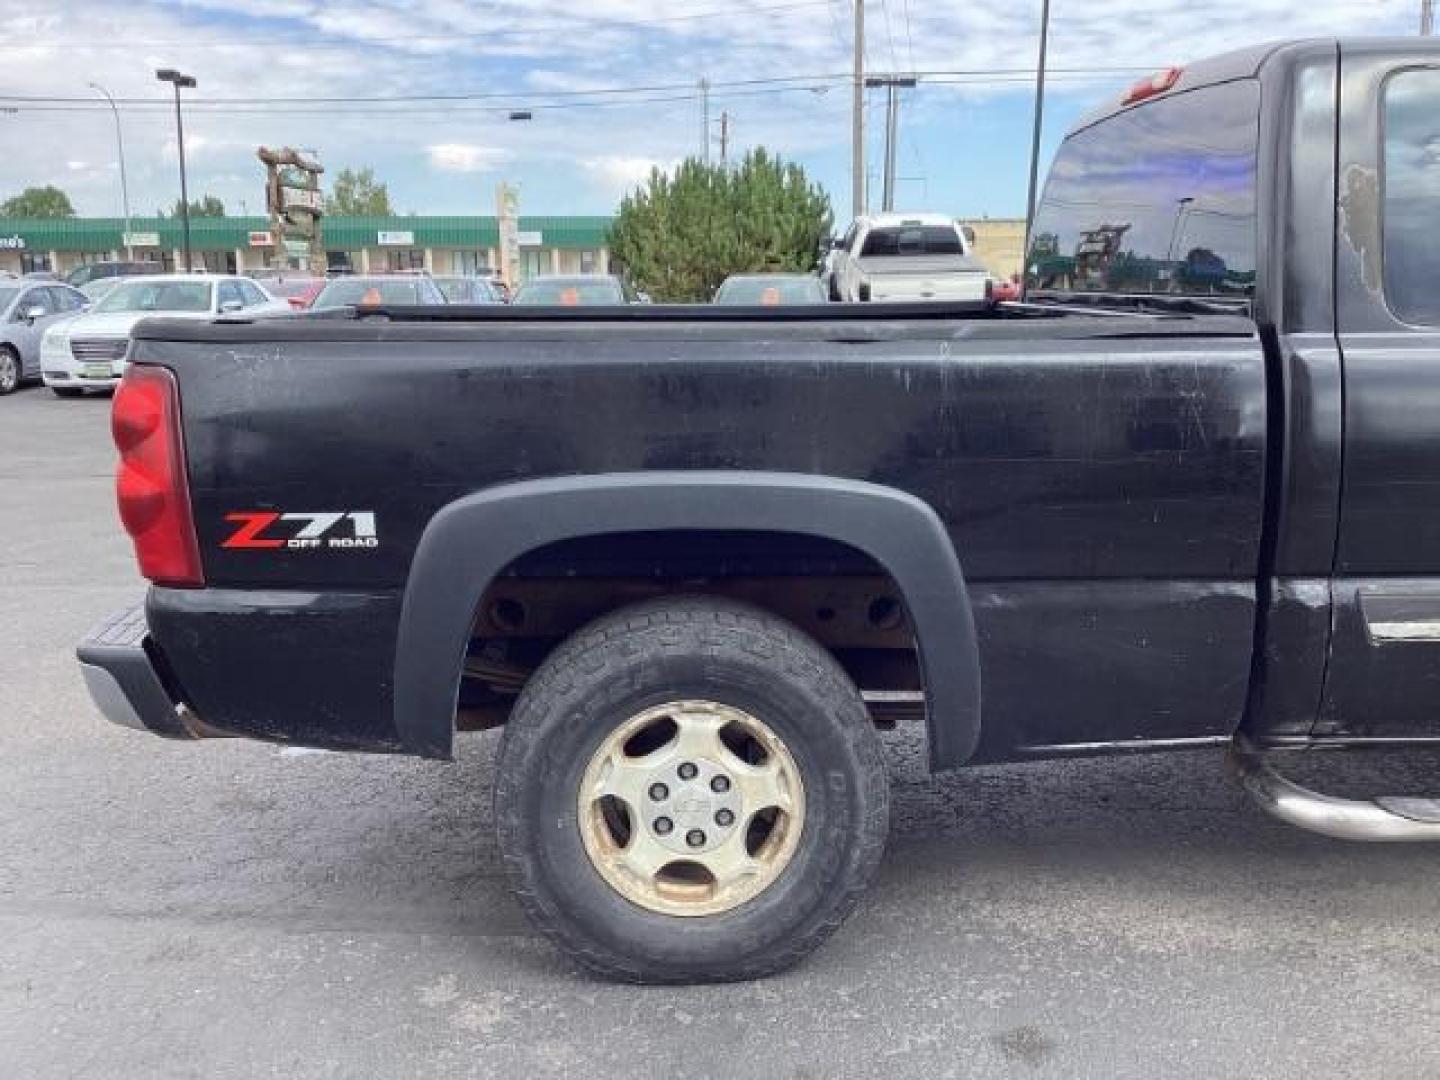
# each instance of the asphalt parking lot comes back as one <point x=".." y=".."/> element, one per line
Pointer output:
<point x="229" y="909"/>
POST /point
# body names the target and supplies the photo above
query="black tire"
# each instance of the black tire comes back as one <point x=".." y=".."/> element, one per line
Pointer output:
<point x="12" y="370"/>
<point x="68" y="391"/>
<point x="650" y="654"/>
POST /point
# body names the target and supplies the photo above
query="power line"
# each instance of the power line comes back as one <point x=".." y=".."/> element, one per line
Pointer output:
<point x="360" y="42"/>
<point x="817" y="81"/>
<point x="909" y="41"/>
<point x="404" y="109"/>
<point x="889" y="33"/>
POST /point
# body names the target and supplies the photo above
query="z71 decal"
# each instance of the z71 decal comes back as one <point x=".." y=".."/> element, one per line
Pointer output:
<point x="263" y="530"/>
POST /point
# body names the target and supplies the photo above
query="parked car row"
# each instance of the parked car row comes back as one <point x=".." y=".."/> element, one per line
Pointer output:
<point x="87" y="352"/>
<point x="73" y="334"/>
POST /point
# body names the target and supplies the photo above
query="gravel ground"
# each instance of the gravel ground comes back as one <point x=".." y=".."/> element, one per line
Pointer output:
<point x="238" y="910"/>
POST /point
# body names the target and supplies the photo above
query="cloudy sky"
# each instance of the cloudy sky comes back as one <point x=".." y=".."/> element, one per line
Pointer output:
<point x="421" y="89"/>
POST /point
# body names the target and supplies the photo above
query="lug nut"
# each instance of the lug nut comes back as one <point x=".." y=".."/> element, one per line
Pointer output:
<point x="663" y="825"/>
<point x="720" y="784"/>
<point x="687" y="771"/>
<point x="659" y="792"/>
<point x="724" y="818"/>
<point x="695" y="838"/>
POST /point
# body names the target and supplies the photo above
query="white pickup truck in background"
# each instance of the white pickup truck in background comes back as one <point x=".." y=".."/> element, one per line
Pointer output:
<point x="899" y="257"/>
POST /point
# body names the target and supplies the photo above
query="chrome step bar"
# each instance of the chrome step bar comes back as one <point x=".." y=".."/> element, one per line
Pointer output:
<point x="1387" y="818"/>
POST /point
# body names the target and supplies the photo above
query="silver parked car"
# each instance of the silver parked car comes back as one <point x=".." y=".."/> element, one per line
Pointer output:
<point x="27" y="310"/>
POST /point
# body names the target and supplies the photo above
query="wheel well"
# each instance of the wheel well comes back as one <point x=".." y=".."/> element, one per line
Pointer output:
<point x="836" y="593"/>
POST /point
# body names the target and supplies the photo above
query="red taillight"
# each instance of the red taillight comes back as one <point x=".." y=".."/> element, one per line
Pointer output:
<point x="150" y="483"/>
<point x="1156" y="84"/>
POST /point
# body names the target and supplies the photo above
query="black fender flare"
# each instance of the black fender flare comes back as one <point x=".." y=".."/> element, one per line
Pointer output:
<point x="470" y="541"/>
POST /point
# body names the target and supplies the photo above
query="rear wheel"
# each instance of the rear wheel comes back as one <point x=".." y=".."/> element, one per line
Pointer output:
<point x="9" y="370"/>
<point x="690" y="790"/>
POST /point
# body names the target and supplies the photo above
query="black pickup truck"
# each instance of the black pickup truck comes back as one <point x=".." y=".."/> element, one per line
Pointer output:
<point x="1186" y="493"/>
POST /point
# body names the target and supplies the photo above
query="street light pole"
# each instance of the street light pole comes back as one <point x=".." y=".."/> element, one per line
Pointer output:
<point x="1035" y="146"/>
<point x="857" y="117"/>
<point x="179" y="81"/>
<point x="891" y="83"/>
<point x="120" y="148"/>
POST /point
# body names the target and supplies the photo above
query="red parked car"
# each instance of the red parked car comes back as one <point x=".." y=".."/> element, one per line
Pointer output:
<point x="1005" y="290"/>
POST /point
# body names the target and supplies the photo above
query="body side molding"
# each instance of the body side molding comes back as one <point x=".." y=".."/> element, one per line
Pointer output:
<point x="469" y="542"/>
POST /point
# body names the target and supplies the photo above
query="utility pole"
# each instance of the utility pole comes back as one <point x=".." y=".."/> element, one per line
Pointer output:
<point x="1035" y="144"/>
<point x="1427" y="18"/>
<point x="857" y="119"/>
<point x="724" y="138"/>
<point x="891" y="83"/>
<point x="705" y="120"/>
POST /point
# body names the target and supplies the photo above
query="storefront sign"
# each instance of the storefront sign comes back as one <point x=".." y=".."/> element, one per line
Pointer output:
<point x="398" y="238"/>
<point x="12" y="243"/>
<point x="261" y="238"/>
<point x="306" y="197"/>
<point x="531" y="239"/>
<point x="140" y="239"/>
<point x="297" y="247"/>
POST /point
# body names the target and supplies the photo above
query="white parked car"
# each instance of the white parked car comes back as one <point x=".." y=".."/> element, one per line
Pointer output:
<point x="899" y="257"/>
<point x="88" y="352"/>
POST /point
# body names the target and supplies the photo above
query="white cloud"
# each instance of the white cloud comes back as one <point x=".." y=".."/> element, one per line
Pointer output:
<point x="622" y="174"/>
<point x="534" y="52"/>
<point x="466" y="158"/>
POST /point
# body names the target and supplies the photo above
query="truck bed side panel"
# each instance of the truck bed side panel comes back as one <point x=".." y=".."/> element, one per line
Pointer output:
<point x="1104" y="495"/>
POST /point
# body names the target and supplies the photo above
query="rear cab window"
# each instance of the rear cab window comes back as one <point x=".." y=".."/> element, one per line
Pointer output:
<point x="905" y="240"/>
<point x="1157" y="199"/>
<point x="1410" y="115"/>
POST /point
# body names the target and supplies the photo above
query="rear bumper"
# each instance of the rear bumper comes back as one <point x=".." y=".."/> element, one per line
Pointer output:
<point x="124" y="683"/>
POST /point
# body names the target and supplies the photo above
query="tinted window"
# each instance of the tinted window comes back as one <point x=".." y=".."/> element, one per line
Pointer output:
<point x="771" y="290"/>
<point x="65" y="299"/>
<point x="37" y="298"/>
<point x="146" y="295"/>
<point x="360" y="291"/>
<point x="1412" y="195"/>
<point x="568" y="292"/>
<point x="1159" y="198"/>
<point x="253" y="295"/>
<point x="230" y="294"/>
<point x="456" y="290"/>
<point x="913" y="240"/>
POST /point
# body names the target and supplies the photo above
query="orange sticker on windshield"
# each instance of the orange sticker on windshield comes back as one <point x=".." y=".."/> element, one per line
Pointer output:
<point x="770" y="297"/>
<point x="372" y="296"/>
<point x="570" y="297"/>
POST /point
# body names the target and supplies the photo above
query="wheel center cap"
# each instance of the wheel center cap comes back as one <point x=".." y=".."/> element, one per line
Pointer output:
<point x="698" y="807"/>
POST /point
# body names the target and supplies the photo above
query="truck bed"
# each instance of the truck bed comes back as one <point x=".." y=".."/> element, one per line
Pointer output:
<point x="1101" y="477"/>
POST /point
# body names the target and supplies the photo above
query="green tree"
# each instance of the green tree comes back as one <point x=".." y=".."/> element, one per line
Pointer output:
<point x="681" y="235"/>
<point x="356" y="193"/>
<point x="38" y="202"/>
<point x="205" y="206"/>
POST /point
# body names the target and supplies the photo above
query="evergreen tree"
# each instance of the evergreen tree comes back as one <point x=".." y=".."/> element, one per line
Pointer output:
<point x="681" y="235"/>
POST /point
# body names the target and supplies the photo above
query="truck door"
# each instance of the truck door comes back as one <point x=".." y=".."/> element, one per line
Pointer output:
<point x="1383" y="674"/>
